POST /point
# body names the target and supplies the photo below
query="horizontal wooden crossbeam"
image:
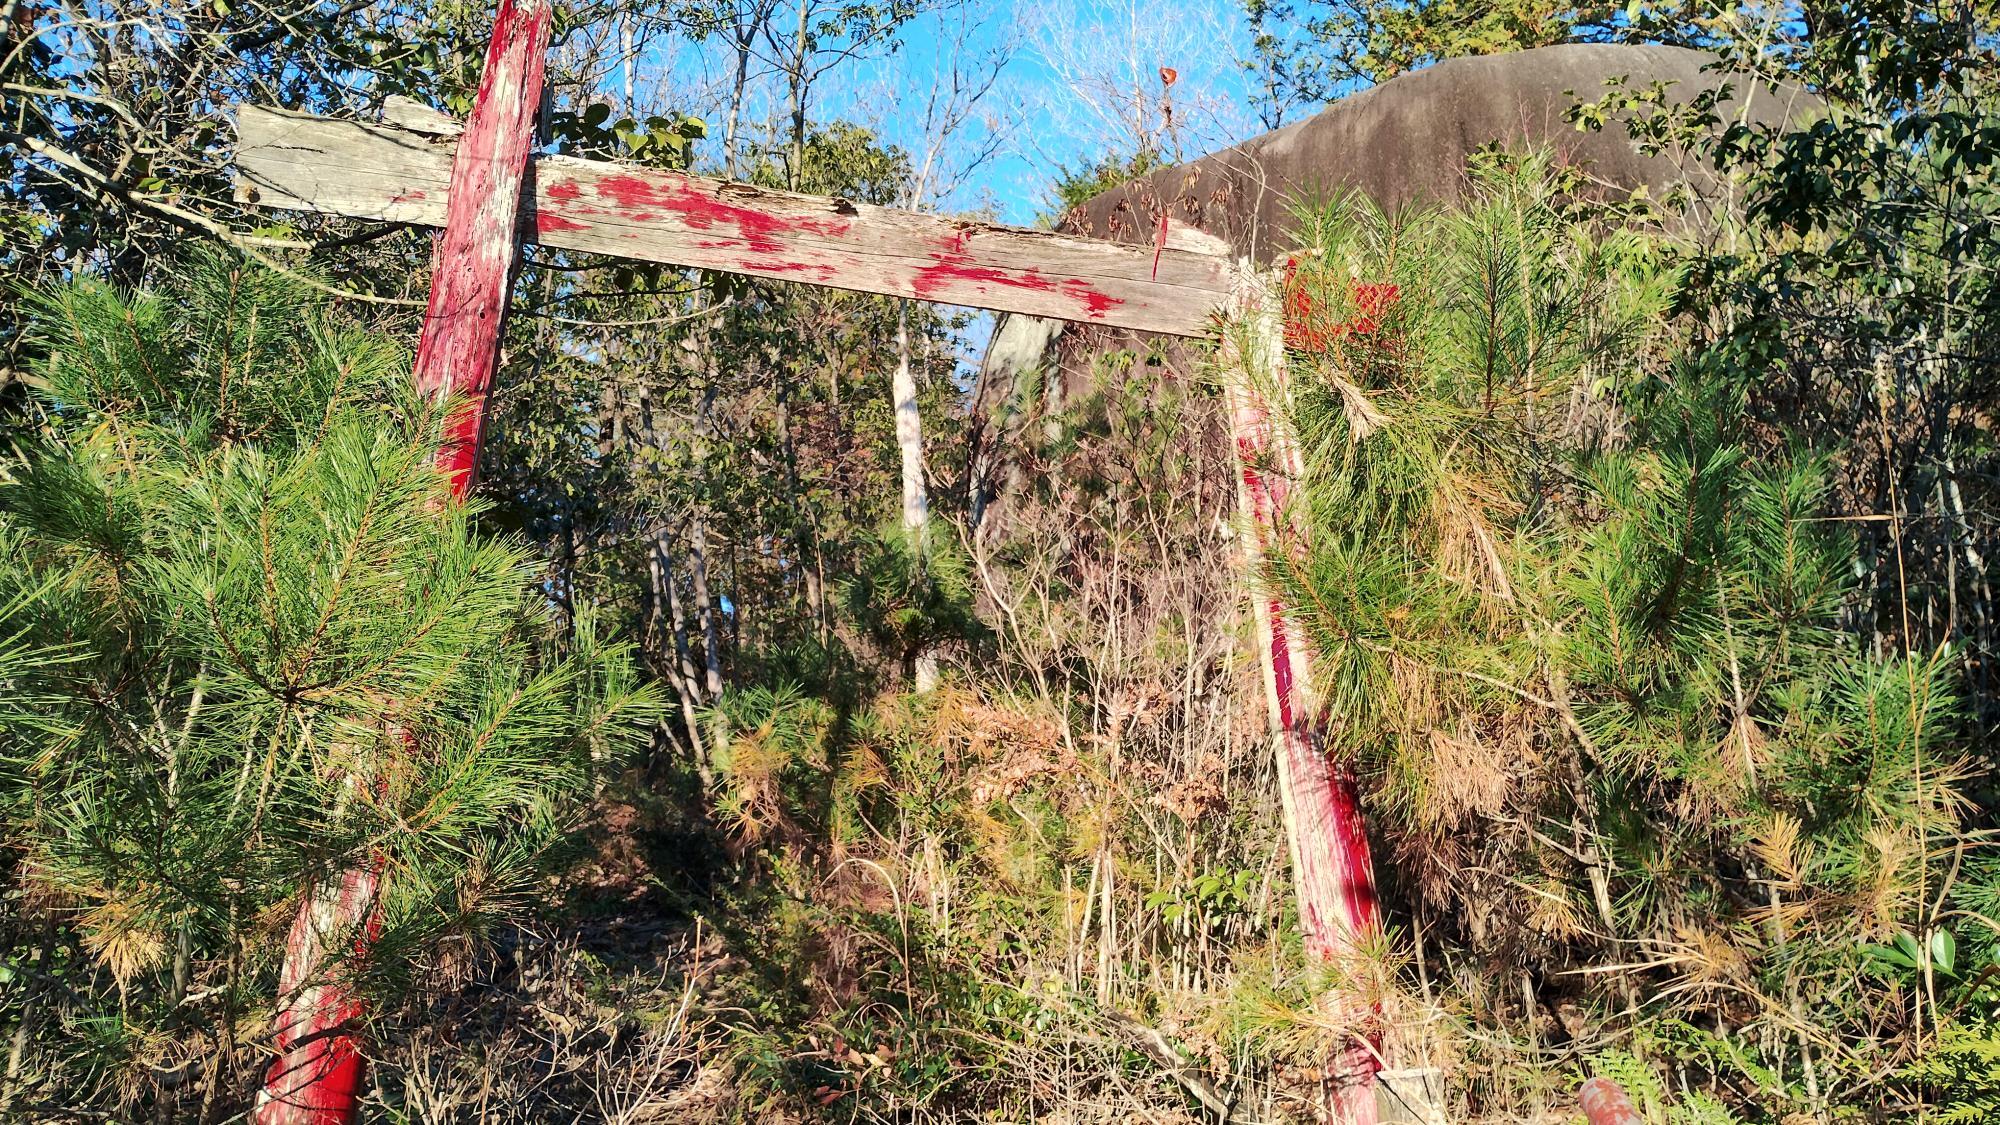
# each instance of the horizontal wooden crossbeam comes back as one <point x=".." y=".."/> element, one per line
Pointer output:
<point x="304" y="162"/>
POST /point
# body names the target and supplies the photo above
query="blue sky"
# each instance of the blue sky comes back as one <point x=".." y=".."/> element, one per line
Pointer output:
<point x="1070" y="82"/>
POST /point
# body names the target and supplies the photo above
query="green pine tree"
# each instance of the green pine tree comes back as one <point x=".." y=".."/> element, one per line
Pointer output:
<point x="271" y="649"/>
<point x="1580" y="627"/>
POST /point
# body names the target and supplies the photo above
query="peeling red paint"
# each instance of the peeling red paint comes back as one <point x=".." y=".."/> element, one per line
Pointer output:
<point x="565" y="191"/>
<point x="547" y="221"/>
<point x="639" y="199"/>
<point x="1095" y="303"/>
<point x="1334" y="871"/>
<point x="932" y="278"/>
<point x="319" y="1072"/>
<point x="1604" y="1102"/>
<point x="406" y="197"/>
<point x="1306" y="320"/>
<point x="957" y="268"/>
<point x="627" y="191"/>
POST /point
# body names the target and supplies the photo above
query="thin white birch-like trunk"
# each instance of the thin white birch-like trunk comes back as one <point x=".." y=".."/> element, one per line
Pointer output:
<point x="681" y="674"/>
<point x="910" y="444"/>
<point x="711" y="637"/>
<point x="909" y="428"/>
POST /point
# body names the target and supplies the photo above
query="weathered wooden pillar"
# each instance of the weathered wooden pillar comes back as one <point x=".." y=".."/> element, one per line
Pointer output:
<point x="460" y="346"/>
<point x="317" y="1077"/>
<point x="1604" y="1103"/>
<point x="1333" y="875"/>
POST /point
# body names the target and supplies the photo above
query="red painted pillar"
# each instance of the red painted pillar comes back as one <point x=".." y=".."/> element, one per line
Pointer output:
<point x="316" y="1079"/>
<point x="1333" y="874"/>
<point x="1604" y="1103"/>
<point x="475" y="257"/>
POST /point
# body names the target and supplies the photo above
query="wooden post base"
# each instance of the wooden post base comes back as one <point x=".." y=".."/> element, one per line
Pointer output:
<point x="1410" y="1097"/>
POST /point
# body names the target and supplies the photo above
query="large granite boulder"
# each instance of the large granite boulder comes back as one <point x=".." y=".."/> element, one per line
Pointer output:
<point x="1405" y="141"/>
<point x="1408" y="141"/>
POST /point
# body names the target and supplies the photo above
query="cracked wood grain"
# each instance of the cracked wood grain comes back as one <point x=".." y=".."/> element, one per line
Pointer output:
<point x="377" y="171"/>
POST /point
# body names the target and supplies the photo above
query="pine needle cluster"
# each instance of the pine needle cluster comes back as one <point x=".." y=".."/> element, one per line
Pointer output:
<point x="1580" y="630"/>
<point x="253" y="643"/>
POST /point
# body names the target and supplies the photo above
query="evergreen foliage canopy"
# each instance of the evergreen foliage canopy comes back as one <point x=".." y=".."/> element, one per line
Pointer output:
<point x="1581" y="634"/>
<point x="275" y="649"/>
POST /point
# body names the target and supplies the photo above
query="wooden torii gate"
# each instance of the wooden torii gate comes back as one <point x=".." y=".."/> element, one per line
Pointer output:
<point x="490" y="192"/>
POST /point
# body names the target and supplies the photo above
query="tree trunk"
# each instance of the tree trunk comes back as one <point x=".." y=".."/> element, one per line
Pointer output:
<point x="804" y="530"/>
<point x="910" y="444"/>
<point x="705" y="607"/>
<point x="744" y="35"/>
<point x="1604" y="1103"/>
<point x="909" y="428"/>
<point x="316" y="1079"/>
<point x="667" y="624"/>
<point x="704" y="600"/>
<point x="625" y="59"/>
<point x="676" y="660"/>
<point x="795" y="89"/>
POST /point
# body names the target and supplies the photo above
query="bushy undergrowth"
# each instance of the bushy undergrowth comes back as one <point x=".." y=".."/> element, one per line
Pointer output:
<point x="1643" y="807"/>
<point x="1580" y="628"/>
